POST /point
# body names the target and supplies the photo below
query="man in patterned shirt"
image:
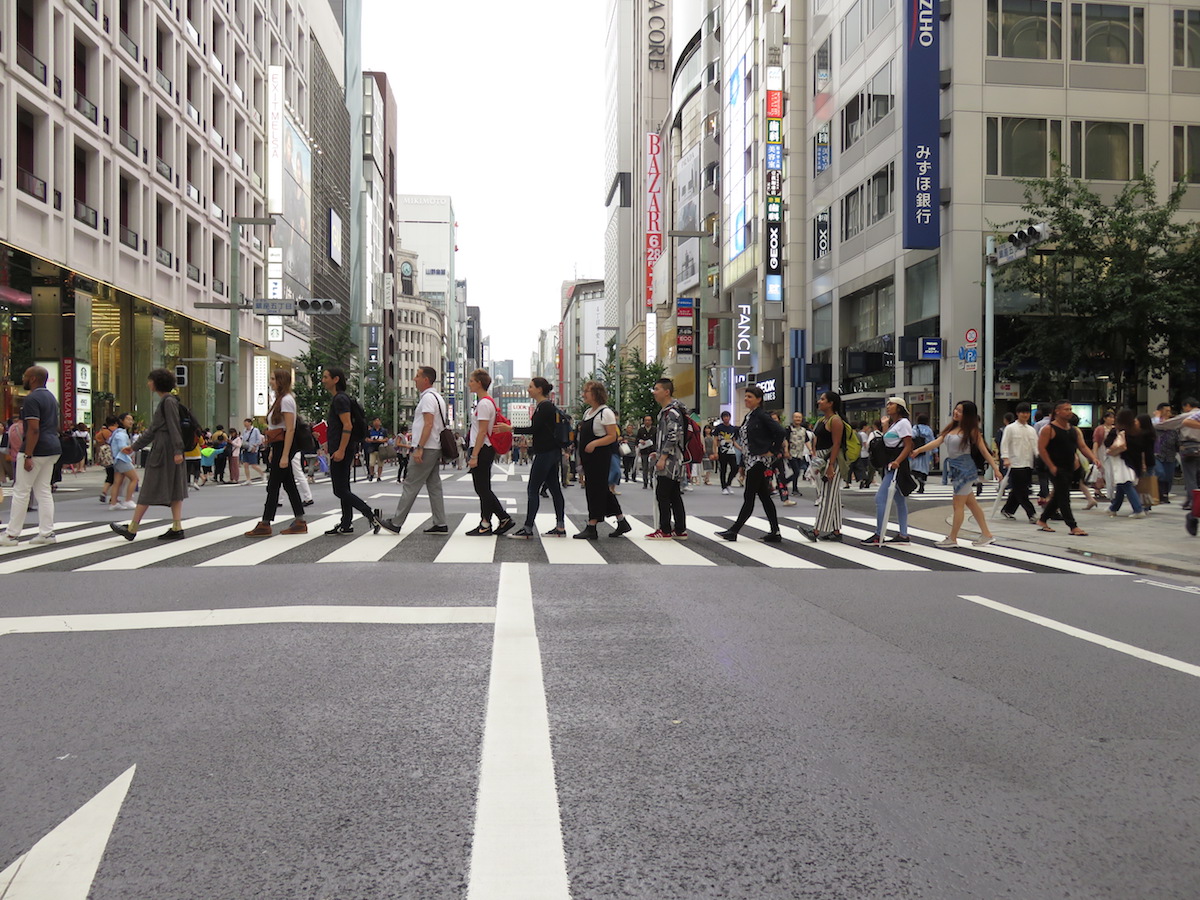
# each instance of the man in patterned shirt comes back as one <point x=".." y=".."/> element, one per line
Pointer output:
<point x="669" y="464"/>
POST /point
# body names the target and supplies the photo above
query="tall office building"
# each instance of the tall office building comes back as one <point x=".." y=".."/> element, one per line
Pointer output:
<point x="899" y="141"/>
<point x="135" y="133"/>
<point x="637" y="95"/>
<point x="426" y="225"/>
<point x="379" y="225"/>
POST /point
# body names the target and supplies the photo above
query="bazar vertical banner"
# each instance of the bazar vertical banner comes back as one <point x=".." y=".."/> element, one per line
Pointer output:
<point x="922" y="110"/>
<point x="654" y="238"/>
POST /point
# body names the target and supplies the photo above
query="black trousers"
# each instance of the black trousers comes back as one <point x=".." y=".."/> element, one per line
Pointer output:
<point x="339" y="477"/>
<point x="671" y="514"/>
<point x="481" y="478"/>
<point x="401" y="466"/>
<point x="1060" y="500"/>
<point x="627" y="465"/>
<point x="601" y="502"/>
<point x="727" y="463"/>
<point x="1019" y="483"/>
<point x="219" y="466"/>
<point x="281" y="476"/>
<point x="757" y="486"/>
<point x="646" y="467"/>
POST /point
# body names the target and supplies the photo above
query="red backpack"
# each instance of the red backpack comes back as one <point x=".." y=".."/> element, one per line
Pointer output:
<point x="501" y="441"/>
<point x="693" y="442"/>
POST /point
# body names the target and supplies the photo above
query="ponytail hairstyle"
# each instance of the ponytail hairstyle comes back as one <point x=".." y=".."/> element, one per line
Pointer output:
<point x="835" y="401"/>
<point x="542" y="385"/>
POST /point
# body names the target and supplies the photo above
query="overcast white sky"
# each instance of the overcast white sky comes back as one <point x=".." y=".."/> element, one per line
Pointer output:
<point x="506" y="105"/>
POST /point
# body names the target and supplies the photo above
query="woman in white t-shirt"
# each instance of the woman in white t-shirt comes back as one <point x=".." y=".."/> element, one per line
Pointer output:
<point x="281" y="442"/>
<point x="597" y="439"/>
<point x="898" y="444"/>
<point x="482" y="455"/>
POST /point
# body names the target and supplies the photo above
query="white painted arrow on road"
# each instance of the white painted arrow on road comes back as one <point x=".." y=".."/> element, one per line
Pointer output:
<point x="63" y="864"/>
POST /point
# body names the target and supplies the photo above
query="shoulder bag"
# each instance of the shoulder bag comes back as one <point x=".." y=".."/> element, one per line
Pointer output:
<point x="447" y="440"/>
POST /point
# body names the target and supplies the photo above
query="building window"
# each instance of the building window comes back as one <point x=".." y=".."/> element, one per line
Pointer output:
<point x="1187" y="154"/>
<point x="921" y="292"/>
<point x="1108" y="151"/>
<point x="1022" y="148"/>
<point x="854" y="120"/>
<point x="879" y="12"/>
<point x="879" y="95"/>
<point x="852" y="29"/>
<point x="1024" y="29"/>
<point x="1187" y="38"/>
<point x="852" y="213"/>
<point x="1107" y="33"/>
<point x="881" y="194"/>
<point x="823" y="66"/>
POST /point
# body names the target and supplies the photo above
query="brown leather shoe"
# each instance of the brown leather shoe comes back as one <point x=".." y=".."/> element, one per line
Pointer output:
<point x="262" y="529"/>
<point x="296" y="527"/>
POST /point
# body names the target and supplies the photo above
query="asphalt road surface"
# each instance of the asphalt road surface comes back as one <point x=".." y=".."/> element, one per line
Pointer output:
<point x="428" y="717"/>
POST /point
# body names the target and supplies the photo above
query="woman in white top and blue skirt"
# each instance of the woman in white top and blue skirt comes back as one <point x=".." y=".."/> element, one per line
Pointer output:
<point x="960" y="437"/>
<point x="897" y="445"/>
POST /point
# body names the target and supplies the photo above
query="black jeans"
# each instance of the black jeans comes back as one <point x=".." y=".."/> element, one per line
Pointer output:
<point x="627" y="466"/>
<point x="281" y="476"/>
<point x="727" y="463"/>
<point x="601" y="502"/>
<point x="669" y="494"/>
<point x="339" y="477"/>
<point x="757" y="485"/>
<point x="219" y="466"/>
<point x="481" y="478"/>
<point x="544" y="471"/>
<point x="646" y="467"/>
<point x="1019" y="483"/>
<point x="1060" y="500"/>
<point x="797" y="467"/>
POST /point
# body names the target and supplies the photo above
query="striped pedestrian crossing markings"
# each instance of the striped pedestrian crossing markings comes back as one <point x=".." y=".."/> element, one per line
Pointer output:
<point x="215" y="542"/>
<point x="944" y="493"/>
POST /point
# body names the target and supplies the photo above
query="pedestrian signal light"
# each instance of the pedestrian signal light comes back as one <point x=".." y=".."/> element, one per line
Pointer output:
<point x="318" y="307"/>
<point x="181" y="376"/>
<point x="220" y="371"/>
<point x="1033" y="233"/>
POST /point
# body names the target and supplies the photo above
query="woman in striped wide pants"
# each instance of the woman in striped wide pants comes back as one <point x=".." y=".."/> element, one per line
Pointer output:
<point x="829" y="437"/>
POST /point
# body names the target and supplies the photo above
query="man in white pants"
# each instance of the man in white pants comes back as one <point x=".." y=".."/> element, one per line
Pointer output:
<point x="35" y="463"/>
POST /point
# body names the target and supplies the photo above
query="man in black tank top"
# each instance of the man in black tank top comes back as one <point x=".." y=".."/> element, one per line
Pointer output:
<point x="1057" y="445"/>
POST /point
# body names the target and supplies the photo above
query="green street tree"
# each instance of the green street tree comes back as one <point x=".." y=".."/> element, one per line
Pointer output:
<point x="637" y="381"/>
<point x="312" y="399"/>
<point x="1108" y="293"/>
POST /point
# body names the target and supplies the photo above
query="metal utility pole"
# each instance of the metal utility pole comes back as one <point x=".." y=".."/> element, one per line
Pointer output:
<point x="235" y="303"/>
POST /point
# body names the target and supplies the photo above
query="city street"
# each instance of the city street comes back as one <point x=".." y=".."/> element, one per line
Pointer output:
<point x="415" y="716"/>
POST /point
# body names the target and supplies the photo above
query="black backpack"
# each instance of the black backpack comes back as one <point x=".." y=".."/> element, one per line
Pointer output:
<point x="563" y="425"/>
<point x="302" y="437"/>
<point x="189" y="428"/>
<point x="358" y="423"/>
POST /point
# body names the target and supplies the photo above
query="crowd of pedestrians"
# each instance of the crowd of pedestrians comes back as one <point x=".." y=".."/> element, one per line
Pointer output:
<point x="1130" y="459"/>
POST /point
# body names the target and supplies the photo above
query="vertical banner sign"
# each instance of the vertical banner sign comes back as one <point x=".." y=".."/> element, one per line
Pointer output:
<point x="275" y="140"/>
<point x="654" y="238"/>
<point x="685" y="331"/>
<point x="773" y="212"/>
<point x="67" y="419"/>
<point x="821" y="236"/>
<point x="922" y="182"/>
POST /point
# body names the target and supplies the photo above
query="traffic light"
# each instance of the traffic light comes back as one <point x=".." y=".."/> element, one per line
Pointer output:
<point x="1033" y="233"/>
<point x="220" y="371"/>
<point x="181" y="376"/>
<point x="318" y="307"/>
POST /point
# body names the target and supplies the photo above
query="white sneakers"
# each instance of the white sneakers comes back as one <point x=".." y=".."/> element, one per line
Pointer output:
<point x="8" y="540"/>
<point x="44" y="539"/>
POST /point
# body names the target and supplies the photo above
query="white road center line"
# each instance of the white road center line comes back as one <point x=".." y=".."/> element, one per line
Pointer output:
<point x="1098" y="639"/>
<point x="264" y="615"/>
<point x="517" y="853"/>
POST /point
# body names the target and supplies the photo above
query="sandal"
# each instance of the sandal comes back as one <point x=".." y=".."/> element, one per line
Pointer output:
<point x="1042" y="526"/>
<point x="1077" y="532"/>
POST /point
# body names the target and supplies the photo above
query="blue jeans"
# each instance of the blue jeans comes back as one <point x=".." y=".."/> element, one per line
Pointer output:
<point x="544" y="470"/>
<point x="1165" y="470"/>
<point x="1126" y="489"/>
<point x="900" y="503"/>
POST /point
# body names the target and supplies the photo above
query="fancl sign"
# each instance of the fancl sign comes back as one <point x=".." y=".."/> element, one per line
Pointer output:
<point x="743" y="345"/>
<point x="922" y="181"/>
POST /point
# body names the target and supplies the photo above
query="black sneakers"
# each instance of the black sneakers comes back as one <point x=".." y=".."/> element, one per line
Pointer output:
<point x="437" y="529"/>
<point x="729" y="535"/>
<point x="341" y="529"/>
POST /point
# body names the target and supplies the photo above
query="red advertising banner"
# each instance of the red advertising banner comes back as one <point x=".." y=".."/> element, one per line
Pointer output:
<point x="68" y="392"/>
<point x="654" y="238"/>
<point x="774" y="104"/>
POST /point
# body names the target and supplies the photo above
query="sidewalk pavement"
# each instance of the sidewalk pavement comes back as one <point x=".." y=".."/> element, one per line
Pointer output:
<point x="1157" y="544"/>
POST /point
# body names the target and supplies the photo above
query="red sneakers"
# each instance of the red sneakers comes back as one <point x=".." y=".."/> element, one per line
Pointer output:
<point x="659" y="536"/>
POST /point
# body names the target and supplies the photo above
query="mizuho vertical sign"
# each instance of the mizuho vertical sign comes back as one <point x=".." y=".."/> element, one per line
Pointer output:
<point x="922" y="185"/>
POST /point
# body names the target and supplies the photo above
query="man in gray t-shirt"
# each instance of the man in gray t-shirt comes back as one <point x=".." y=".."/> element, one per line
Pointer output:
<point x="35" y="463"/>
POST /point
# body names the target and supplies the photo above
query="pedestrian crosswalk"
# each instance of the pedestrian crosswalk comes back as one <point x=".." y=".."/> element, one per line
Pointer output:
<point x="215" y="542"/>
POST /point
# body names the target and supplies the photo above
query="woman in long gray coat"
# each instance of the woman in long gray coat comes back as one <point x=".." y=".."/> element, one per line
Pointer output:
<point x="165" y="483"/>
